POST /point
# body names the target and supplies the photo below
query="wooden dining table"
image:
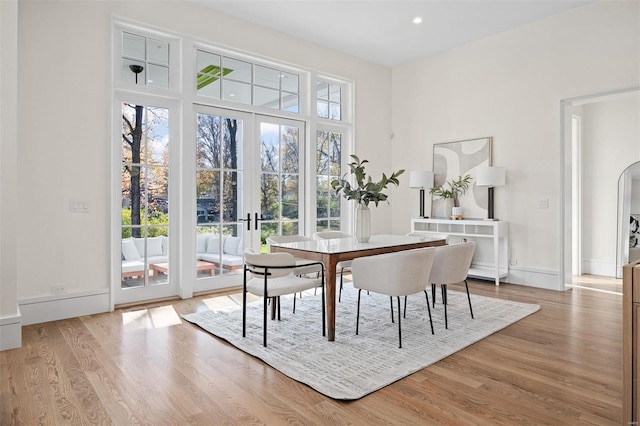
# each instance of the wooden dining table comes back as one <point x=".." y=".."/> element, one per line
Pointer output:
<point x="332" y="251"/>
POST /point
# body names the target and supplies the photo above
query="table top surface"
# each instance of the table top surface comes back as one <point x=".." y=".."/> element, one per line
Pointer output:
<point x="344" y="245"/>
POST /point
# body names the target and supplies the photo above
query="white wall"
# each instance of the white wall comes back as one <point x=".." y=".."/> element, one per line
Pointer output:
<point x="611" y="142"/>
<point x="64" y="113"/>
<point x="509" y="86"/>
<point x="10" y="320"/>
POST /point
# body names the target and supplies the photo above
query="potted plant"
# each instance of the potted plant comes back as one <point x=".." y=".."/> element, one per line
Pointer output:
<point x="364" y="191"/>
<point x="450" y="191"/>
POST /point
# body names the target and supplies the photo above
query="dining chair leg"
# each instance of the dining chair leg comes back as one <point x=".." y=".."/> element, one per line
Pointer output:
<point x="244" y="303"/>
<point x="443" y="287"/>
<point x="429" y="310"/>
<point x="358" y="312"/>
<point x="391" y="301"/>
<point x="399" y="326"/>
<point x="264" y="322"/>
<point x="405" y="306"/>
<point x="324" y="321"/>
<point x="433" y="294"/>
<point x="340" y="291"/>
<point x="294" y="302"/>
<point x="278" y="302"/>
<point x="466" y="284"/>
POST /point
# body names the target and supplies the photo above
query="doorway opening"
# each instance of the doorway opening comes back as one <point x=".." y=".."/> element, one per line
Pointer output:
<point x="588" y="209"/>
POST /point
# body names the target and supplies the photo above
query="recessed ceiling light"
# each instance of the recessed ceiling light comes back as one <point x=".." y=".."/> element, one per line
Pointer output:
<point x="417" y="20"/>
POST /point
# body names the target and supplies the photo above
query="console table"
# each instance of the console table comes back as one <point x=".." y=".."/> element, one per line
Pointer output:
<point x="491" y="260"/>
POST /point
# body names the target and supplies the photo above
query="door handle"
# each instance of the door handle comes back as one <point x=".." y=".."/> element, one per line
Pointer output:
<point x="257" y="219"/>
<point x="248" y="220"/>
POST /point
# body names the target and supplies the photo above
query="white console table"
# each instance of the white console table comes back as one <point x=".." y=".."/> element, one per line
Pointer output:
<point x="491" y="260"/>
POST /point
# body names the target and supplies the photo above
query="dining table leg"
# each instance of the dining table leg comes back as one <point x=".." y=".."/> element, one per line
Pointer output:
<point x="330" y="264"/>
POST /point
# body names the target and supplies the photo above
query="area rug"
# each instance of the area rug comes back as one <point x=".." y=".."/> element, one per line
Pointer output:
<point x="353" y="366"/>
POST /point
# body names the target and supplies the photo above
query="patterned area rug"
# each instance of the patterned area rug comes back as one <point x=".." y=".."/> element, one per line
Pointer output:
<point x="354" y="366"/>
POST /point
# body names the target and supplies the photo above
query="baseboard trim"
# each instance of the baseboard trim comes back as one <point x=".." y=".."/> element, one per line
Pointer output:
<point x="62" y="306"/>
<point x="599" y="267"/>
<point x="533" y="277"/>
<point x="11" y="332"/>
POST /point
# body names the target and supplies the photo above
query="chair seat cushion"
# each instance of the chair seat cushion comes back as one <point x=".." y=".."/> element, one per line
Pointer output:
<point x="284" y="285"/>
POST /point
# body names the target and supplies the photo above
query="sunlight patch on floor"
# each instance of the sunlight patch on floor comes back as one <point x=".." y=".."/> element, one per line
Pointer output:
<point x="158" y="317"/>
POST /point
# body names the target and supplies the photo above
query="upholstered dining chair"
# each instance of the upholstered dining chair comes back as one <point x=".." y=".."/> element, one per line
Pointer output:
<point x="271" y="277"/>
<point x="451" y="266"/>
<point x="342" y="266"/>
<point x="304" y="266"/>
<point x="394" y="274"/>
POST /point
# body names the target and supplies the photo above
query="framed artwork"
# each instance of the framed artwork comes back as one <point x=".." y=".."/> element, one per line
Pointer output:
<point x="459" y="158"/>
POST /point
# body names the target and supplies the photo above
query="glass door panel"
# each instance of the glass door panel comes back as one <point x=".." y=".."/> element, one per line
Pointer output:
<point x="142" y="250"/>
<point x="219" y="194"/>
<point x="281" y="186"/>
<point x="145" y="196"/>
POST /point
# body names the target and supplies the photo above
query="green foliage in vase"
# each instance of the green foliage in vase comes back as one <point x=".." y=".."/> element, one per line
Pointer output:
<point x="456" y="187"/>
<point x="365" y="190"/>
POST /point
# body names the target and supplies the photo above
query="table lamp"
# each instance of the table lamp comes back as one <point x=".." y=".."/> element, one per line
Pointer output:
<point x="490" y="177"/>
<point x="422" y="180"/>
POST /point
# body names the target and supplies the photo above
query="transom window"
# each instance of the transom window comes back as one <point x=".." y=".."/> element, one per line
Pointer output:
<point x="329" y="100"/>
<point x="230" y="79"/>
<point x="145" y="61"/>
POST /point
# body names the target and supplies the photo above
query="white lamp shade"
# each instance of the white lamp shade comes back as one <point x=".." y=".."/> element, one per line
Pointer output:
<point x="490" y="176"/>
<point x="420" y="179"/>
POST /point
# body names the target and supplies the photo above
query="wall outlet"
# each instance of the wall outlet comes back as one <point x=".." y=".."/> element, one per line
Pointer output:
<point x="79" y="206"/>
<point x="513" y="261"/>
<point x="58" y="289"/>
<point x="543" y="204"/>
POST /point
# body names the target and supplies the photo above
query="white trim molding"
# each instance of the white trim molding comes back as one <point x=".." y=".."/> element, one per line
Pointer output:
<point x="534" y="277"/>
<point x="605" y="268"/>
<point x="62" y="306"/>
<point x="11" y="332"/>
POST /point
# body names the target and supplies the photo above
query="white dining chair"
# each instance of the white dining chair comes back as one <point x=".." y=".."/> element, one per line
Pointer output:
<point x="342" y="266"/>
<point x="305" y="266"/>
<point x="395" y="274"/>
<point x="451" y="266"/>
<point x="271" y="277"/>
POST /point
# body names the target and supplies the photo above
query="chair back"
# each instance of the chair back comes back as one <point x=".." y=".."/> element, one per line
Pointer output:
<point x="394" y="274"/>
<point x="283" y="239"/>
<point x="258" y="262"/>
<point x="330" y="235"/>
<point x="452" y="263"/>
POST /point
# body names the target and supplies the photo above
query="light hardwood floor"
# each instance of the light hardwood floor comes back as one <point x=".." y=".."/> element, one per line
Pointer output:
<point x="144" y="365"/>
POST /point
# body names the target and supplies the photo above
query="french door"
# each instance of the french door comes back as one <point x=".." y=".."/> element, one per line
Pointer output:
<point x="248" y="185"/>
<point x="188" y="207"/>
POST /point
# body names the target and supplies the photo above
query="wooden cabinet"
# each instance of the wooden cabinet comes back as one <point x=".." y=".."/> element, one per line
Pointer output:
<point x="631" y="342"/>
<point x="491" y="259"/>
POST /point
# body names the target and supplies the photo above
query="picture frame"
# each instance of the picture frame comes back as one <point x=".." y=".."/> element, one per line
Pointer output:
<point x="459" y="158"/>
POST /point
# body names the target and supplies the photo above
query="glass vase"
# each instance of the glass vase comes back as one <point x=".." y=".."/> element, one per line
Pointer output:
<point x="363" y="223"/>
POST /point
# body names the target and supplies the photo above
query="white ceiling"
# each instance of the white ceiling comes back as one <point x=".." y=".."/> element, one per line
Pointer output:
<point x="382" y="31"/>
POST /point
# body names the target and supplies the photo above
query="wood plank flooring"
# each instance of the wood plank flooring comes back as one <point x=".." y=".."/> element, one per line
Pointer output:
<point x="145" y="365"/>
